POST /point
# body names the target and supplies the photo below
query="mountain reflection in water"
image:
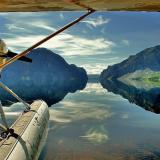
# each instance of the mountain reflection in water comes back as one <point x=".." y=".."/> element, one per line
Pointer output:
<point x="147" y="99"/>
<point x="96" y="124"/>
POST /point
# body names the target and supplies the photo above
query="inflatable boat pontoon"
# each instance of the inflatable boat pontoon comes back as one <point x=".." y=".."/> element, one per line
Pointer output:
<point x="28" y="136"/>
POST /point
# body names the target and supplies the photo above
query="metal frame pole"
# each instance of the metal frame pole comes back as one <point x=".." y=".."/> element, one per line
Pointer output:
<point x="15" y="95"/>
<point x="5" y="127"/>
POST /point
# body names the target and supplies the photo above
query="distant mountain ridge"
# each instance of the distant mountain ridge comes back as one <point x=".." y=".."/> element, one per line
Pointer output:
<point x="148" y="58"/>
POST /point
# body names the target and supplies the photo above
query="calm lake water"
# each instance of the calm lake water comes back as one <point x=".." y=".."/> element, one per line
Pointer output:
<point x="94" y="124"/>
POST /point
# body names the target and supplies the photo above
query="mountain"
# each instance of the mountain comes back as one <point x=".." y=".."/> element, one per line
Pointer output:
<point x="48" y="77"/>
<point x="148" y="58"/>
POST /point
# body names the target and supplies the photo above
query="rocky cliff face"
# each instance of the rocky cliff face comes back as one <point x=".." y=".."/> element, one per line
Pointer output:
<point x="48" y="77"/>
<point x="148" y="58"/>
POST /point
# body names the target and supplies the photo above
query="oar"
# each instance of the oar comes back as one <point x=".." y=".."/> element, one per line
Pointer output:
<point x="24" y="53"/>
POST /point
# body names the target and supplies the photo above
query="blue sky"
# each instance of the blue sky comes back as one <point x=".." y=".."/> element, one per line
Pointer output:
<point x="102" y="39"/>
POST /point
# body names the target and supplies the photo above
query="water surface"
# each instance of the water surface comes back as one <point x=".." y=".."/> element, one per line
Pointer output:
<point x="94" y="124"/>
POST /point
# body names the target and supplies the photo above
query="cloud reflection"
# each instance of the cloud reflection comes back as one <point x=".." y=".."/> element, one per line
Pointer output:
<point x="94" y="88"/>
<point x="71" y="111"/>
<point x="97" y="134"/>
<point x="89" y="116"/>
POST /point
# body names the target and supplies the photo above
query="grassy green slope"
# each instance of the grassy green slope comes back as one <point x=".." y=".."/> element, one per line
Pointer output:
<point x="146" y="79"/>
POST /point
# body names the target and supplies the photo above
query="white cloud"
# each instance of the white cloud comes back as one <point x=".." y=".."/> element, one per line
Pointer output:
<point x="103" y="30"/>
<point x="126" y="42"/>
<point x="29" y="27"/>
<point x="94" y="68"/>
<point x="66" y="44"/>
<point x="7" y="34"/>
<point x="61" y="16"/>
<point x="14" y="27"/>
<point x="97" y="68"/>
<point x="85" y="46"/>
<point x="43" y="25"/>
<point x="95" y="22"/>
<point x="26" y="21"/>
<point x="125" y="116"/>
